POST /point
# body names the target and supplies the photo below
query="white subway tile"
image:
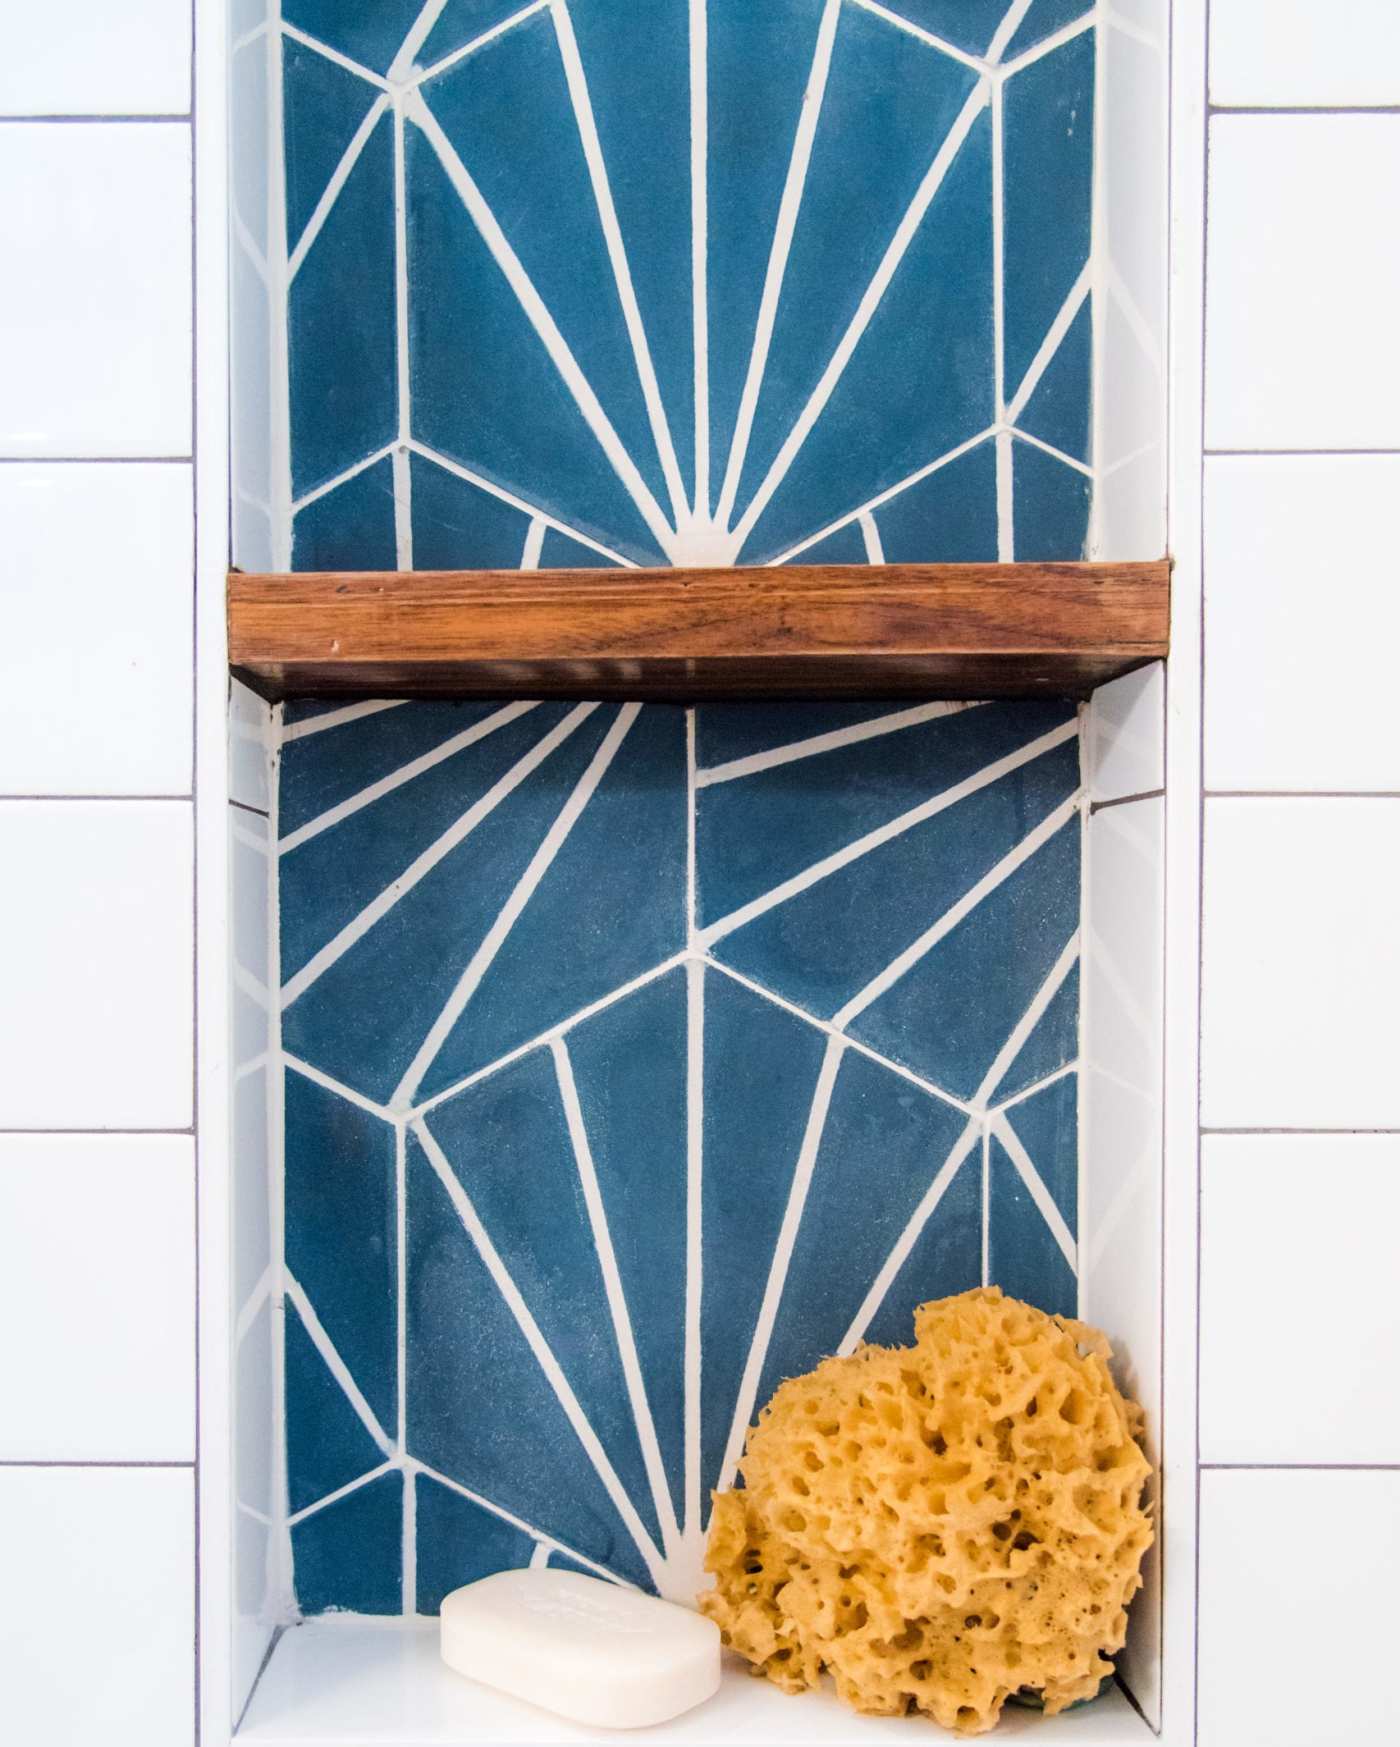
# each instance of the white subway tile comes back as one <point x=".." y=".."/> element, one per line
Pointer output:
<point x="95" y="296"/>
<point x="1303" y="280"/>
<point x="1302" y="618"/>
<point x="1297" y="1604"/>
<point x="97" y="1608"/>
<point x="1282" y="1211"/>
<point x="97" y="1268"/>
<point x="1125" y="741"/>
<point x="95" y="629"/>
<point x="1301" y="963"/>
<point x="1344" y="53"/>
<point x="96" y="941"/>
<point x="88" y="57"/>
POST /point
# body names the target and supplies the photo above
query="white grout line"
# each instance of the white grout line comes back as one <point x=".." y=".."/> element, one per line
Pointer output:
<point x="539" y="1346"/>
<point x="337" y="718"/>
<point x="339" y="177"/>
<point x="920" y="1217"/>
<point x="518" y="503"/>
<point x="260" y="1295"/>
<point x="278" y="350"/>
<point x="523" y="890"/>
<point x="699" y="248"/>
<point x="403" y="468"/>
<point x="241" y="834"/>
<point x="353" y="471"/>
<point x="423" y="864"/>
<point x="906" y="821"/>
<point x="534" y="544"/>
<point x="828" y="1029"/>
<point x="1050" y="449"/>
<point x="998" y="127"/>
<point x="478" y="42"/>
<point x="870" y="300"/>
<point x="410" y="1514"/>
<point x="883" y="497"/>
<point x="1138" y="323"/>
<point x="874" y="551"/>
<point x="986" y="1208"/>
<point x="1028" y="1021"/>
<point x="1010" y="24"/>
<point x="339" y="1493"/>
<point x="781" y="1258"/>
<point x="948" y="921"/>
<point x="617" y="1299"/>
<point x="405" y="773"/>
<point x="1039" y="1085"/>
<point x="1054" y="334"/>
<point x="409" y="1577"/>
<point x="1049" y="44"/>
<point x="694" y="1236"/>
<point x="560" y="1028"/>
<point x="582" y="105"/>
<point x="1035" y="1184"/>
<point x="943" y="46"/>
<point x="252" y="986"/>
<point x="539" y="317"/>
<point x="418" y="33"/>
<point x="248" y="36"/>
<point x="337" y="1367"/>
<point x="809" y="114"/>
<point x="816" y="744"/>
<point x="482" y="1503"/>
<point x="540" y="1556"/>
<point x="244" y="238"/>
<point x="692" y="782"/>
<point x="325" y="50"/>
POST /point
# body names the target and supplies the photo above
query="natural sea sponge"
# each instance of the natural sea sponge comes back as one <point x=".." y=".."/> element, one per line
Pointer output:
<point x="939" y="1526"/>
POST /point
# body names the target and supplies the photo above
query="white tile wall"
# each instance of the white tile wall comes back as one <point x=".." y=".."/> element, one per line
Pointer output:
<point x="89" y="57"/>
<point x="97" y="607"/>
<point x="96" y="940"/>
<point x="97" y="1267"/>
<point x="1298" y="1297"/>
<point x="1298" y="1609"/>
<point x="1302" y="620"/>
<point x="1303" y="279"/>
<point x="95" y="331"/>
<point x="1302" y="960"/>
<point x="1125" y="735"/>
<point x="1305" y="52"/>
<point x="97" y="1607"/>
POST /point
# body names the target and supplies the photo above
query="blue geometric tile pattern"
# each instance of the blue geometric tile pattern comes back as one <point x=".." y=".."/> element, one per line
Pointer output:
<point x="633" y="1059"/>
<point x="669" y="282"/>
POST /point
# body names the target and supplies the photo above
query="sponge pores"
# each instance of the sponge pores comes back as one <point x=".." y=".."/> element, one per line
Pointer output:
<point x="943" y="1525"/>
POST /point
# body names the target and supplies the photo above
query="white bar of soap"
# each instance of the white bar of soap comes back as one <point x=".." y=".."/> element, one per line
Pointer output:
<point x="583" y="1648"/>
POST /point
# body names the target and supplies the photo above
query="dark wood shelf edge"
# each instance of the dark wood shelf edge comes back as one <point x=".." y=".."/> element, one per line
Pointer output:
<point x="949" y="630"/>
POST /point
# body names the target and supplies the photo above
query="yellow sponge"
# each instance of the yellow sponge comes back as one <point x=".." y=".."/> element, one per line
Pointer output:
<point x="939" y="1526"/>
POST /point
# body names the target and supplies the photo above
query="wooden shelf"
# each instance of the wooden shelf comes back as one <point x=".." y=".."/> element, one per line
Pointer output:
<point x="950" y="630"/>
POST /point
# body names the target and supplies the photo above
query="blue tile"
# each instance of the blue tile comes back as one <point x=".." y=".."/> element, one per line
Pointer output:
<point x="728" y="731"/>
<point x="1047" y="1125"/>
<point x="350" y="528"/>
<point x="888" y="105"/>
<point x="761" y="1066"/>
<point x="952" y="1012"/>
<point x="341" y="1241"/>
<point x="485" y="392"/>
<point x="341" y="330"/>
<point x="967" y="24"/>
<point x="1059" y="410"/>
<point x="305" y="709"/>
<point x="508" y="1143"/>
<point x="824" y="946"/>
<point x="620" y="914"/>
<point x="1049" y="123"/>
<point x="322" y="106"/>
<point x="368" y="31"/>
<point x="461" y="23"/>
<point x="559" y="552"/>
<point x="327" y="1443"/>
<point x="845" y="546"/>
<point x="458" y="526"/>
<point x="629" y="1064"/>
<point x="1023" y="1257"/>
<point x="754" y="832"/>
<point x="328" y="880"/>
<point x="950" y="517"/>
<point x="946" y="1257"/>
<point x="349" y="1556"/>
<point x="1052" y="1045"/>
<point x="320" y="771"/>
<point x="902" y="402"/>
<point x="759" y="58"/>
<point x="458" y="1541"/>
<point x="480" y="1410"/>
<point x="882" y="1145"/>
<point x="1044" y="19"/>
<point x="1051" y="505"/>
